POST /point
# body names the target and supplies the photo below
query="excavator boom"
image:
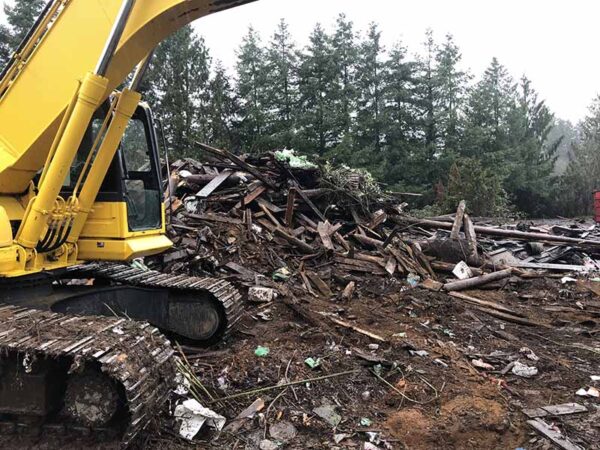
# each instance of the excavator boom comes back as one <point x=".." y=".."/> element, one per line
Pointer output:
<point x="38" y="93"/>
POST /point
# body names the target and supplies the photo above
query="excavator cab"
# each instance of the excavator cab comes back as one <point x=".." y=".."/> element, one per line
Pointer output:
<point x="130" y="195"/>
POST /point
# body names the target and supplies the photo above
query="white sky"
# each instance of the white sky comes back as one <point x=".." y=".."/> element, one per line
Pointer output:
<point x="554" y="42"/>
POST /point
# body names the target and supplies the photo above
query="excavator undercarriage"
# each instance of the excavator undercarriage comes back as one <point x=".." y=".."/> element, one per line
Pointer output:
<point x="74" y="359"/>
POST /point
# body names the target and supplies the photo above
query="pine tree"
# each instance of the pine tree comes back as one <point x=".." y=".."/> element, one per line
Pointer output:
<point x="345" y="55"/>
<point x="532" y="156"/>
<point x="20" y="18"/>
<point x="451" y="85"/>
<point x="400" y="119"/>
<point x="252" y="89"/>
<point x="370" y="125"/>
<point x="281" y="96"/>
<point x="426" y="98"/>
<point x="487" y="117"/>
<point x="179" y="79"/>
<point x="317" y="83"/>
<point x="582" y="177"/>
<point x="222" y="110"/>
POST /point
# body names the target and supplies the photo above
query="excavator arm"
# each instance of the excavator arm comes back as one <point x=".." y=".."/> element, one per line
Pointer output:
<point x="70" y="63"/>
<point x="36" y="91"/>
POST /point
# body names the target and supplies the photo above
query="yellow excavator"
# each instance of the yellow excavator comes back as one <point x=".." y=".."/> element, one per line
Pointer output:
<point x="80" y="198"/>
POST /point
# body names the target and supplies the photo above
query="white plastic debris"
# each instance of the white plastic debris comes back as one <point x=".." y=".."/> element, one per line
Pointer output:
<point x="591" y="392"/>
<point x="192" y="416"/>
<point x="191" y="205"/>
<point x="595" y="377"/>
<point x="523" y="370"/>
<point x="462" y="271"/>
<point x="528" y="353"/>
<point x="259" y="294"/>
<point x="185" y="173"/>
<point x="565" y="280"/>
<point x="480" y="364"/>
<point x="183" y="384"/>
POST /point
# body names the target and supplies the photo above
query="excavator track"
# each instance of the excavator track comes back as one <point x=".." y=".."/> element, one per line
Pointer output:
<point x="48" y="361"/>
<point x="222" y="292"/>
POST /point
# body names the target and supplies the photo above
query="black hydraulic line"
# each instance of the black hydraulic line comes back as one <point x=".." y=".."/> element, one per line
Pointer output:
<point x="26" y="38"/>
<point x="114" y="38"/>
<point x="50" y="235"/>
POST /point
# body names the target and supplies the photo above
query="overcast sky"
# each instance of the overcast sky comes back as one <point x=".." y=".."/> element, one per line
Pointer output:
<point x="555" y="43"/>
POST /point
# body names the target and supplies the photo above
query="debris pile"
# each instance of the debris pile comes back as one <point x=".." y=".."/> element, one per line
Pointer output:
<point x="282" y="217"/>
<point x="369" y="328"/>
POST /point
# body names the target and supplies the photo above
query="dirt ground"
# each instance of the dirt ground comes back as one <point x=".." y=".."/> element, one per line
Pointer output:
<point x="400" y="397"/>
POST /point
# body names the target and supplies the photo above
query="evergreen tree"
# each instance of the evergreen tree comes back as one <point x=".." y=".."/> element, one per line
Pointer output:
<point x="371" y="79"/>
<point x="252" y="87"/>
<point x="317" y="85"/>
<point x="582" y="176"/>
<point x="20" y="18"/>
<point x="531" y="156"/>
<point x="400" y="120"/>
<point x="426" y="97"/>
<point x="487" y="117"/>
<point x="451" y="84"/>
<point x="179" y="79"/>
<point x="345" y="55"/>
<point x="222" y="110"/>
<point x="282" y="92"/>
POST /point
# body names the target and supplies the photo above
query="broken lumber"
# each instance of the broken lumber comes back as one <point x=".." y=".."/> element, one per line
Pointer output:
<point x="214" y="184"/>
<point x="458" y="220"/>
<point x="497" y="231"/>
<point x="485" y="303"/>
<point x="225" y="154"/>
<point x="471" y="237"/>
<point x="370" y="334"/>
<point x="554" y="435"/>
<point x="300" y="244"/>
<point x="477" y="281"/>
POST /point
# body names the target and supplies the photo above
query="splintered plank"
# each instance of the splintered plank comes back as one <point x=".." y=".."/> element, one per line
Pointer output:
<point x="251" y="197"/>
<point x="214" y="184"/>
<point x="555" y="436"/>
<point x="555" y="410"/>
<point x="225" y="154"/>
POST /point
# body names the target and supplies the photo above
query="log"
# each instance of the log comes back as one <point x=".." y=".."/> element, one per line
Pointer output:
<point x="458" y="220"/>
<point x="306" y="248"/>
<point x="365" y="240"/>
<point x="449" y="267"/>
<point x="477" y="281"/>
<point x="521" y="235"/>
